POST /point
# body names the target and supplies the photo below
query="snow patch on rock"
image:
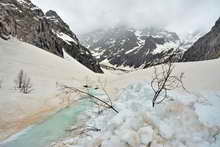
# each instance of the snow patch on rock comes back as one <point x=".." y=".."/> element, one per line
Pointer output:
<point x="66" y="38"/>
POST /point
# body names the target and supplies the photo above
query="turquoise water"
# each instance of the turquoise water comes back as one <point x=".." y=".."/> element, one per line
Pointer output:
<point x="42" y="134"/>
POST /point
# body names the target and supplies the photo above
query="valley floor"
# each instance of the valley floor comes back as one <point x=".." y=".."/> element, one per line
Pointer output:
<point x="46" y="71"/>
<point x="187" y="119"/>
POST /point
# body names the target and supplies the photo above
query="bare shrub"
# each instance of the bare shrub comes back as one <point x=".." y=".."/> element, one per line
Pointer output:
<point x="20" y="79"/>
<point x="106" y="104"/>
<point x="26" y="86"/>
<point x="23" y="82"/>
<point x="165" y="81"/>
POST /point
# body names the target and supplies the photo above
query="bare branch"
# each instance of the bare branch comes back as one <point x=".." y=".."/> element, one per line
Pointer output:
<point x="83" y="130"/>
<point x="164" y="81"/>
<point x="73" y="89"/>
<point x="23" y="82"/>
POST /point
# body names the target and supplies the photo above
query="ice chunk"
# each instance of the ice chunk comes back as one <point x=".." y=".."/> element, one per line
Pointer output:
<point x="146" y="135"/>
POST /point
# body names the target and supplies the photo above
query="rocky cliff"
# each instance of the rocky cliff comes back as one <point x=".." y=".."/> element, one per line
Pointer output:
<point x="136" y="48"/>
<point x="27" y="22"/>
<point x="207" y="47"/>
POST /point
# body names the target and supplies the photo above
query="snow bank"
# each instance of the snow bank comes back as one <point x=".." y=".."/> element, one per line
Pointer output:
<point x="185" y="120"/>
<point x="175" y="123"/>
<point x="189" y="120"/>
<point x="198" y="76"/>
<point x="18" y="110"/>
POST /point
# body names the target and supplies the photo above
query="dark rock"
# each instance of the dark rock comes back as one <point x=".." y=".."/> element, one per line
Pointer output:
<point x="124" y="46"/>
<point x="28" y="23"/>
<point x="207" y="47"/>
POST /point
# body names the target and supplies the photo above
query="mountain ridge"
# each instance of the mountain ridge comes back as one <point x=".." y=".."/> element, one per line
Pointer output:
<point x="137" y="48"/>
<point x="25" y="21"/>
<point x="207" y="47"/>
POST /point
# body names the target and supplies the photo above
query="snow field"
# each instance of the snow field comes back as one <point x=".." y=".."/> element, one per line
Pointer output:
<point x="185" y="120"/>
<point x="174" y="123"/>
<point x="45" y="70"/>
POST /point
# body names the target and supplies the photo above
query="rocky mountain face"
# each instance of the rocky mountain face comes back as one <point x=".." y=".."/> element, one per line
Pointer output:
<point x="27" y="22"/>
<point x="124" y="46"/>
<point x="207" y="47"/>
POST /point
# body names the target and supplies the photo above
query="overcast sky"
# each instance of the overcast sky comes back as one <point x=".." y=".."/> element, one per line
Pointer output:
<point x="176" y="15"/>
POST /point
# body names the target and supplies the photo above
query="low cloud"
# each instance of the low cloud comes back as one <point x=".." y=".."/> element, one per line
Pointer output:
<point x="176" y="15"/>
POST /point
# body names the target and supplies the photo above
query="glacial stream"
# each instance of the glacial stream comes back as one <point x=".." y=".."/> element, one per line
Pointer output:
<point x="44" y="133"/>
<point x="53" y="128"/>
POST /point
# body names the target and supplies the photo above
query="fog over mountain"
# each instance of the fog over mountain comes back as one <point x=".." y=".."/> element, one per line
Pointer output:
<point x="176" y="15"/>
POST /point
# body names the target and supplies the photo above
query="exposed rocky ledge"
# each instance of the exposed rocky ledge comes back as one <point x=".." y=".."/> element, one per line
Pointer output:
<point x="27" y="22"/>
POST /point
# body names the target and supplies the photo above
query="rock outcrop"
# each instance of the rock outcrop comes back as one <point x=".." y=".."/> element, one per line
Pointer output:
<point x="27" y="22"/>
<point x="207" y="47"/>
<point x="125" y="46"/>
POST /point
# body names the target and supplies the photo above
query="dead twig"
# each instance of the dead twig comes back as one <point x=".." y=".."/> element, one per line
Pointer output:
<point x="105" y="104"/>
<point x="164" y="81"/>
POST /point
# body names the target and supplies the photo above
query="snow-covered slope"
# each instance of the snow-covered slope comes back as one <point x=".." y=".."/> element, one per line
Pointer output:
<point x="28" y="23"/>
<point x="138" y="48"/>
<point x="185" y="119"/>
<point x="188" y="39"/>
<point x="198" y="76"/>
<point x="18" y="110"/>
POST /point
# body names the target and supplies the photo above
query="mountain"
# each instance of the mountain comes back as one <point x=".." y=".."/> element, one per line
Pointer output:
<point x="188" y="39"/>
<point x="27" y="22"/>
<point x="125" y="46"/>
<point x="207" y="47"/>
